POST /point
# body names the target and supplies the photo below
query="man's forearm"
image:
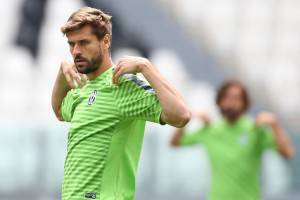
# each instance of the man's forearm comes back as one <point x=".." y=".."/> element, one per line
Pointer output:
<point x="60" y="90"/>
<point x="175" y="111"/>
<point x="175" y="141"/>
<point x="285" y="147"/>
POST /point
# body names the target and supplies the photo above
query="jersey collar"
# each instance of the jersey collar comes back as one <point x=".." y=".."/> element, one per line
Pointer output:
<point x="102" y="76"/>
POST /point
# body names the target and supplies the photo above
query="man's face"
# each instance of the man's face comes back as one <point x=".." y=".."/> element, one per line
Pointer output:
<point x="232" y="104"/>
<point x="86" y="49"/>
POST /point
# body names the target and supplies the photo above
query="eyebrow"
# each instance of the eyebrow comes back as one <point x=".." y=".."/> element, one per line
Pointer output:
<point x="84" y="39"/>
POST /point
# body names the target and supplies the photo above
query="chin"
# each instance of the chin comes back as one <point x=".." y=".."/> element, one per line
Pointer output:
<point x="81" y="68"/>
<point x="83" y="71"/>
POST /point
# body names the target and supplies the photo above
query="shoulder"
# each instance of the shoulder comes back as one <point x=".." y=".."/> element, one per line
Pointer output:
<point x="135" y="82"/>
<point x="73" y="92"/>
<point x="217" y="123"/>
<point x="247" y="121"/>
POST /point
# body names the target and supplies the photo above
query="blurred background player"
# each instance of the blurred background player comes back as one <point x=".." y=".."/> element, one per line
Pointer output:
<point x="235" y="144"/>
<point x="108" y="111"/>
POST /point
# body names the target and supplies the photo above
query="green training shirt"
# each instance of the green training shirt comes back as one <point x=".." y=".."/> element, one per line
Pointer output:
<point x="106" y="136"/>
<point x="235" y="153"/>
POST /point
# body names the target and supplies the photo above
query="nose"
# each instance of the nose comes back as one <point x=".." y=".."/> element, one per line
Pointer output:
<point x="76" y="50"/>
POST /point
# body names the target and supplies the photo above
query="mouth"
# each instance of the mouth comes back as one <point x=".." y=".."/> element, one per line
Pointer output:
<point x="80" y="61"/>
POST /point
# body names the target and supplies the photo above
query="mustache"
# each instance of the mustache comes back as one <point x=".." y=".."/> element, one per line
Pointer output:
<point x="230" y="113"/>
<point x="79" y="58"/>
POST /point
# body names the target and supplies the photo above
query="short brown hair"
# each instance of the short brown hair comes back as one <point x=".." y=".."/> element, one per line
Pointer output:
<point x="233" y="83"/>
<point x="97" y="19"/>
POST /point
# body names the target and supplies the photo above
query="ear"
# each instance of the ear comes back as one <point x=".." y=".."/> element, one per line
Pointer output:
<point x="106" y="41"/>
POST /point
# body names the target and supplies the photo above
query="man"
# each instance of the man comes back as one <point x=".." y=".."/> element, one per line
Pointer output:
<point x="235" y="144"/>
<point x="108" y="111"/>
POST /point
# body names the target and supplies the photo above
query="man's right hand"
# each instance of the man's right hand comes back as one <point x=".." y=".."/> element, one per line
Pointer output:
<point x="72" y="76"/>
<point x="67" y="78"/>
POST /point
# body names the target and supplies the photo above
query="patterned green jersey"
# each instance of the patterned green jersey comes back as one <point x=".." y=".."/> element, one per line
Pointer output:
<point x="235" y="152"/>
<point x="106" y="136"/>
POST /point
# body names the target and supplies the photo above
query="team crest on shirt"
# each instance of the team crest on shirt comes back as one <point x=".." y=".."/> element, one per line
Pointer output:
<point x="92" y="97"/>
<point x="90" y="195"/>
<point x="243" y="140"/>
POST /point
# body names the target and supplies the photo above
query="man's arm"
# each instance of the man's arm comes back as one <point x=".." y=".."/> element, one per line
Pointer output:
<point x="284" y="145"/>
<point x="174" y="110"/>
<point x="202" y="116"/>
<point x="67" y="78"/>
<point x="175" y="141"/>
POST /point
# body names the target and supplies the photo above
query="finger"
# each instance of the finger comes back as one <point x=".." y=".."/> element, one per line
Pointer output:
<point x="119" y="62"/>
<point x="74" y="68"/>
<point x="124" y="61"/>
<point x="75" y="83"/>
<point x="69" y="80"/>
<point x="76" y="77"/>
<point x="117" y="76"/>
<point x="114" y="74"/>
<point x="116" y="71"/>
<point x="81" y="81"/>
<point x="84" y="78"/>
<point x="115" y="79"/>
<point x="117" y="68"/>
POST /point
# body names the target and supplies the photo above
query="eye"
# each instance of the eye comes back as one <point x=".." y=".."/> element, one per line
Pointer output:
<point x="83" y="42"/>
<point x="71" y="44"/>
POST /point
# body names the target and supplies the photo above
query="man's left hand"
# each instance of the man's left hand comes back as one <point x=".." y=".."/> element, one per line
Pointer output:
<point x="129" y="65"/>
<point x="266" y="118"/>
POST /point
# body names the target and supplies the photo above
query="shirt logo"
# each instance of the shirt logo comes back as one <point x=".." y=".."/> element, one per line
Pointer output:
<point x="92" y="97"/>
<point x="90" y="195"/>
<point x="244" y="139"/>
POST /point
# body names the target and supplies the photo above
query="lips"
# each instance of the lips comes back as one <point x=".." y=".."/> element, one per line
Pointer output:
<point x="80" y="60"/>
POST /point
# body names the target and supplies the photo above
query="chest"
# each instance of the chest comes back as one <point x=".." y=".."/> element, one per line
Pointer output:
<point x="94" y="105"/>
<point x="232" y="145"/>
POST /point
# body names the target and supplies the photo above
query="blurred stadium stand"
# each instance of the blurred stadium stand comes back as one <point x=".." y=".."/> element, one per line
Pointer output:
<point x="195" y="44"/>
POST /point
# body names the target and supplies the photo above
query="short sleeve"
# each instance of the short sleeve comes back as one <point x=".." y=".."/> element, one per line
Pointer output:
<point x="197" y="136"/>
<point x="267" y="138"/>
<point x="68" y="105"/>
<point x="137" y="100"/>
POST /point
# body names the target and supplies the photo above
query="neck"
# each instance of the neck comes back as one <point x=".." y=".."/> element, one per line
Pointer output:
<point x="105" y="65"/>
<point x="232" y="120"/>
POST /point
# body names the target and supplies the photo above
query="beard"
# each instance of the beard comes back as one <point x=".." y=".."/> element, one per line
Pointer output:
<point x="231" y="115"/>
<point x="86" y="66"/>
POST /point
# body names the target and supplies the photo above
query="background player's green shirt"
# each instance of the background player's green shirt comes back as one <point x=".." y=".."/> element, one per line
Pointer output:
<point x="105" y="137"/>
<point x="235" y="153"/>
